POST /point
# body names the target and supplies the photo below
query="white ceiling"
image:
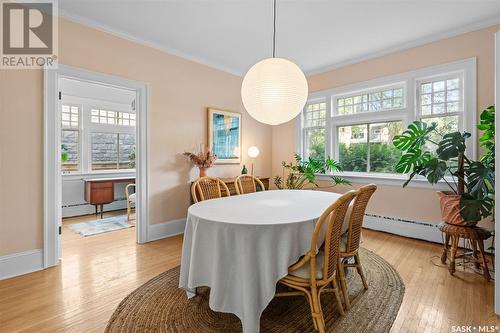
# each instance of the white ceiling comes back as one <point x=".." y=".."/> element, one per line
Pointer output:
<point x="317" y="35"/>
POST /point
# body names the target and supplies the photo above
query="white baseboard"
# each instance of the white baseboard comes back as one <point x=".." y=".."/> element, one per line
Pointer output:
<point x="402" y="227"/>
<point x="15" y="264"/>
<point x="414" y="229"/>
<point x="166" y="229"/>
<point x="86" y="209"/>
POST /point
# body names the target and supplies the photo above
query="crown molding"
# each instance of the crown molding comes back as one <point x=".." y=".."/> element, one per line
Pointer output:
<point x="367" y="56"/>
<point x="145" y="42"/>
<point x="409" y="45"/>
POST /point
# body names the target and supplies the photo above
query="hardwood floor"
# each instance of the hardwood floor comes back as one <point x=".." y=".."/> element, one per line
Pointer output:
<point x="97" y="272"/>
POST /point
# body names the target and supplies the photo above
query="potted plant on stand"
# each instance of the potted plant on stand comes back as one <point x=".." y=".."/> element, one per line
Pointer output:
<point x="471" y="183"/>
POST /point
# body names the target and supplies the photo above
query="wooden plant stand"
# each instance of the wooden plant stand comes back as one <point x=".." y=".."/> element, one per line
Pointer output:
<point x="475" y="235"/>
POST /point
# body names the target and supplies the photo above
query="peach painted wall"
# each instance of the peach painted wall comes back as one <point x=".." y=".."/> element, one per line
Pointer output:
<point x="412" y="203"/>
<point x="179" y="92"/>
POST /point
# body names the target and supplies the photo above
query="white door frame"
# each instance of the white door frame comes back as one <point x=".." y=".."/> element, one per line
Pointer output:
<point x="52" y="154"/>
<point x="497" y="170"/>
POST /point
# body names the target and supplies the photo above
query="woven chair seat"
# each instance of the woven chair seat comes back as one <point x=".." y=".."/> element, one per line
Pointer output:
<point x="304" y="272"/>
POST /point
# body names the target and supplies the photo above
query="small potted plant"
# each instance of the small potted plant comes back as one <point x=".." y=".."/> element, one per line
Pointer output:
<point x="203" y="160"/>
<point x="471" y="183"/>
<point x="302" y="173"/>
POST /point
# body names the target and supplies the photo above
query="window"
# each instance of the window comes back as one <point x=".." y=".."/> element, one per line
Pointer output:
<point x="368" y="147"/>
<point x="356" y="124"/>
<point x="96" y="139"/>
<point x="112" y="117"/>
<point x="111" y="150"/>
<point x="70" y="138"/>
<point x="440" y="101"/>
<point x="314" y="130"/>
<point x="381" y="100"/>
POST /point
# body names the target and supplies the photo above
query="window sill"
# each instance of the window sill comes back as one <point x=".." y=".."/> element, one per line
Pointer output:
<point x="389" y="179"/>
<point x="97" y="174"/>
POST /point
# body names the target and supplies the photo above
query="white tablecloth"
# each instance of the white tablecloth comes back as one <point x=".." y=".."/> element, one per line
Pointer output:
<point x="241" y="246"/>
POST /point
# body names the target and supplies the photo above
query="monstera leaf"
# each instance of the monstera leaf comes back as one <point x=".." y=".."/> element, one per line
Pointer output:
<point x="414" y="137"/>
<point x="435" y="170"/>
<point x="473" y="209"/>
<point x="451" y="145"/>
<point x="481" y="179"/>
<point x="412" y="159"/>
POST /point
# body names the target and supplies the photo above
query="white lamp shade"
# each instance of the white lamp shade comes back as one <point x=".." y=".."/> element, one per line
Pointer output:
<point x="253" y="152"/>
<point x="274" y="91"/>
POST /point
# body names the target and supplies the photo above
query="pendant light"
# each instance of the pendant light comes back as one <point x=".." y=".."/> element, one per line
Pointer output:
<point x="274" y="90"/>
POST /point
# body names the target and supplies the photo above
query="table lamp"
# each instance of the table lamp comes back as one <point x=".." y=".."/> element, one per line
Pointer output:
<point x="253" y="152"/>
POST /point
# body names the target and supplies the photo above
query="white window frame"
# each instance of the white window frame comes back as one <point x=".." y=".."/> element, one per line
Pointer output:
<point x="80" y="138"/>
<point x="302" y="150"/>
<point x="86" y="127"/>
<point x="409" y="113"/>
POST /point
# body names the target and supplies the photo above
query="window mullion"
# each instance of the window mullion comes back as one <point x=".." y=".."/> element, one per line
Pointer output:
<point x="368" y="147"/>
<point x="328" y="127"/>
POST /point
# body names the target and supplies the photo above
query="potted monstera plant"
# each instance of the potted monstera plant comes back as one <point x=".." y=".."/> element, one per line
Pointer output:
<point x="471" y="183"/>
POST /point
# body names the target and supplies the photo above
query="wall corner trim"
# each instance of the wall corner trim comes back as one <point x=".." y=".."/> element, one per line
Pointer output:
<point x="20" y="263"/>
<point x="166" y="229"/>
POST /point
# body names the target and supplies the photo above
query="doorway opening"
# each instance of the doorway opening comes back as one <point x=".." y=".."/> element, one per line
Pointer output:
<point x="95" y="160"/>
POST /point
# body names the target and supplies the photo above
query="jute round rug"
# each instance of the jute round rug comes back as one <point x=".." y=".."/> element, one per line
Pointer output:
<point x="160" y="306"/>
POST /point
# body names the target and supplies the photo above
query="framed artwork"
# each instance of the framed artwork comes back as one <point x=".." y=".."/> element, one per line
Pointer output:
<point x="224" y="135"/>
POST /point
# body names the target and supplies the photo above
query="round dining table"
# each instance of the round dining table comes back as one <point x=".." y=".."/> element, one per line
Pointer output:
<point x="241" y="246"/>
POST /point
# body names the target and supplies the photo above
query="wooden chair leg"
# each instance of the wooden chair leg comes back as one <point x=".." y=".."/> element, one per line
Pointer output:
<point x="486" y="271"/>
<point x="343" y="284"/>
<point x="337" y="297"/>
<point x="360" y="270"/>
<point x="317" y="310"/>
<point x="310" y="301"/>
<point x="445" y="248"/>
<point x="128" y="210"/>
<point x="453" y="253"/>
<point x="474" y="246"/>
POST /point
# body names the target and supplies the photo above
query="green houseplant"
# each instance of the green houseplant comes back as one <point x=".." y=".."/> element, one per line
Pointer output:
<point x="302" y="173"/>
<point x="64" y="153"/>
<point x="471" y="183"/>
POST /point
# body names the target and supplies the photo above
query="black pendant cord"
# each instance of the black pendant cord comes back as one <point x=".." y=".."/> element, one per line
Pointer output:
<point x="274" y="30"/>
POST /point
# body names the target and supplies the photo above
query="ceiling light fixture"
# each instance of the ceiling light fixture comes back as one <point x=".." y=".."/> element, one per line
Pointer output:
<point x="274" y="90"/>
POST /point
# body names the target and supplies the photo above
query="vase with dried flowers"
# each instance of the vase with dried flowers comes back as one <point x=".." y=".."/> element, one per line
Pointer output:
<point x="204" y="159"/>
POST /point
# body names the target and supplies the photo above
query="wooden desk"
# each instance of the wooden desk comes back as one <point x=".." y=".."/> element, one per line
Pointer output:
<point x="101" y="191"/>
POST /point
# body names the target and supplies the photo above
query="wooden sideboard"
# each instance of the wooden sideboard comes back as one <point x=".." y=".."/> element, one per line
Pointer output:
<point x="101" y="191"/>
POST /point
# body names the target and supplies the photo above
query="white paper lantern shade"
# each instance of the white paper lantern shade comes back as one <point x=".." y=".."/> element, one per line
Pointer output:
<point x="274" y="91"/>
<point x="253" y="152"/>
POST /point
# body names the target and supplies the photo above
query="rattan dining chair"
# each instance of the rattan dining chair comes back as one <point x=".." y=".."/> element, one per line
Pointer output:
<point x="247" y="184"/>
<point x="316" y="271"/>
<point x="349" y="244"/>
<point x="206" y="188"/>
